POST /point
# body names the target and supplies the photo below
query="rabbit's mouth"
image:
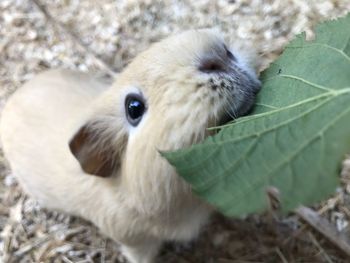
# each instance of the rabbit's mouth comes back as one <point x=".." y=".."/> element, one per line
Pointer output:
<point x="229" y="78"/>
<point x="237" y="91"/>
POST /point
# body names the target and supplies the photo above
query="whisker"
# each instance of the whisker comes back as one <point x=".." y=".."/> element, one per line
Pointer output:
<point x="230" y="106"/>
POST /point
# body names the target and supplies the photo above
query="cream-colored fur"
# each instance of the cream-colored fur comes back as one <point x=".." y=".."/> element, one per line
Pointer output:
<point x="143" y="201"/>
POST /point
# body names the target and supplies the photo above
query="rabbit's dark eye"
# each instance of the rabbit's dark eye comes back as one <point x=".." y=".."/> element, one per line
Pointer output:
<point x="134" y="108"/>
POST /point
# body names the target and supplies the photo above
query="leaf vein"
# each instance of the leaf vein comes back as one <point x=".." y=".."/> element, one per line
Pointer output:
<point x="266" y="105"/>
<point x="291" y="157"/>
<point x="306" y="82"/>
<point x="328" y="96"/>
<point x="322" y="45"/>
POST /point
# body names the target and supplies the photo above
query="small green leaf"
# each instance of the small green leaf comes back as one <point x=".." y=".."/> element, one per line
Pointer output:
<point x="294" y="140"/>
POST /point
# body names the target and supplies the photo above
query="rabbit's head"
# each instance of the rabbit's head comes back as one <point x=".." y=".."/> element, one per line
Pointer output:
<point x="165" y="99"/>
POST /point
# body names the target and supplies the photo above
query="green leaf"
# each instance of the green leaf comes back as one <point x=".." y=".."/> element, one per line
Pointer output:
<point x="295" y="138"/>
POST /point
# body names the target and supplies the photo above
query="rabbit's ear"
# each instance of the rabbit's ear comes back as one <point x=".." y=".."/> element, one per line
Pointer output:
<point x="94" y="151"/>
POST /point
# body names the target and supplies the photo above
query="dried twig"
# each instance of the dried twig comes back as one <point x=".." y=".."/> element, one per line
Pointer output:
<point x="59" y="26"/>
<point x="329" y="205"/>
<point x="31" y="245"/>
<point x="66" y="260"/>
<point x="345" y="210"/>
<point x="325" y="228"/>
<point x="281" y="256"/>
<point x="320" y="248"/>
<point x="6" y="235"/>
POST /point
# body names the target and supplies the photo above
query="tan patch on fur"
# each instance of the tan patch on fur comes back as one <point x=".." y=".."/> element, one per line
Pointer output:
<point x="93" y="160"/>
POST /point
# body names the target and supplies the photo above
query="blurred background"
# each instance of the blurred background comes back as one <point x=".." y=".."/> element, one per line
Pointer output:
<point x="103" y="36"/>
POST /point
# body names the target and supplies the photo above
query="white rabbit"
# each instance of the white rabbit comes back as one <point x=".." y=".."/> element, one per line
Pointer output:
<point x="82" y="146"/>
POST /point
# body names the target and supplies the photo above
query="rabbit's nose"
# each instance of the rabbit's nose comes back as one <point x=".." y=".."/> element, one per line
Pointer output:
<point x="217" y="61"/>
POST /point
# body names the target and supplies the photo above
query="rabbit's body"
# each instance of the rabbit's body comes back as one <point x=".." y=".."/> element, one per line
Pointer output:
<point x="63" y="128"/>
<point x="38" y="121"/>
<point x="37" y="137"/>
